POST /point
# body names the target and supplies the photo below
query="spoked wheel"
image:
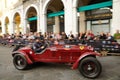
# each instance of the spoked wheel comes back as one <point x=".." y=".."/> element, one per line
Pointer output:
<point x="90" y="67"/>
<point x="20" y="62"/>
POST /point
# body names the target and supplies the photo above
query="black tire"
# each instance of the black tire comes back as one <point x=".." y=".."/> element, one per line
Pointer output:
<point x="90" y="67"/>
<point x="20" y="62"/>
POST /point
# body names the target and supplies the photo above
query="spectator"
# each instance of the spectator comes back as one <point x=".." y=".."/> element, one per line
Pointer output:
<point x="102" y="36"/>
<point x="51" y="35"/>
<point x="71" y="36"/>
<point x="81" y="35"/>
<point x="57" y="36"/>
<point x="31" y="36"/>
<point x="63" y="35"/>
<point x="46" y="35"/>
<point x="41" y="36"/>
<point x="89" y="35"/>
<point x="117" y="35"/>
<point x="109" y="37"/>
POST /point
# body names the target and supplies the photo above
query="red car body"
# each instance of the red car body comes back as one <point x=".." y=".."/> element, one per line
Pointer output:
<point x="56" y="54"/>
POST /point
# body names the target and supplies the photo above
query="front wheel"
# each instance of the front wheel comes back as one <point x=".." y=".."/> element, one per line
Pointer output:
<point x="90" y="67"/>
<point x="20" y="62"/>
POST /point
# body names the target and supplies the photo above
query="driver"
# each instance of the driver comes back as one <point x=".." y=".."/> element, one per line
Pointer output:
<point x="38" y="45"/>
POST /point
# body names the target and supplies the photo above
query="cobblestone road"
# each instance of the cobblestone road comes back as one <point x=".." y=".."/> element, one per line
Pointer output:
<point x="110" y="65"/>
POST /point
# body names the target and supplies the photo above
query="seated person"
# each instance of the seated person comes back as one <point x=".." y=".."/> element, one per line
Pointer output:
<point x="61" y="42"/>
<point x="38" y="45"/>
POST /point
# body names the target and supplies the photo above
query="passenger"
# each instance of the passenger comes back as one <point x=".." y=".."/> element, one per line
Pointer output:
<point x="38" y="45"/>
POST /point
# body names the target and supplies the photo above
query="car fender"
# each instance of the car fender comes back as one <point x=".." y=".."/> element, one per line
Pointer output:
<point x="24" y="54"/>
<point x="86" y="54"/>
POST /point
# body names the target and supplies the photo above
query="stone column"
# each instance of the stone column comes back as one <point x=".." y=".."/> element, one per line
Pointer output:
<point x="11" y="29"/>
<point x="38" y="19"/>
<point x="24" y="25"/>
<point x="38" y="24"/>
<point x="43" y="19"/>
<point x="43" y="23"/>
<point x="68" y="17"/>
<point x="3" y="28"/>
<point x="57" y="25"/>
<point x="82" y="27"/>
<point x="116" y="17"/>
<point x="75" y="20"/>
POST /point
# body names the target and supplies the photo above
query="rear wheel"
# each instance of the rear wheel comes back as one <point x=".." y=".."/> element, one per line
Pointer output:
<point x="20" y="62"/>
<point x="90" y="67"/>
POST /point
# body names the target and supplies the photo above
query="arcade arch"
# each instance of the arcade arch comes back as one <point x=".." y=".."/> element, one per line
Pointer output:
<point x="17" y="22"/>
<point x="55" y="20"/>
<point x="6" y="25"/>
<point x="31" y="17"/>
<point x="86" y="19"/>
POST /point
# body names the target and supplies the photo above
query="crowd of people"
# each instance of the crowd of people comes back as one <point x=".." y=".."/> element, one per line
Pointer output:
<point x="30" y="37"/>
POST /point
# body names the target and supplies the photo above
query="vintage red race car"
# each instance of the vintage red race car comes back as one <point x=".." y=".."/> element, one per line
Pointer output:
<point x="80" y="56"/>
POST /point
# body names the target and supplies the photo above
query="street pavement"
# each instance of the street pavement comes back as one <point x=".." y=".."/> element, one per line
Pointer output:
<point x="43" y="71"/>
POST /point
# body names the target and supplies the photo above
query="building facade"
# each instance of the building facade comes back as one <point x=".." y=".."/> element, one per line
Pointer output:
<point x="60" y="16"/>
